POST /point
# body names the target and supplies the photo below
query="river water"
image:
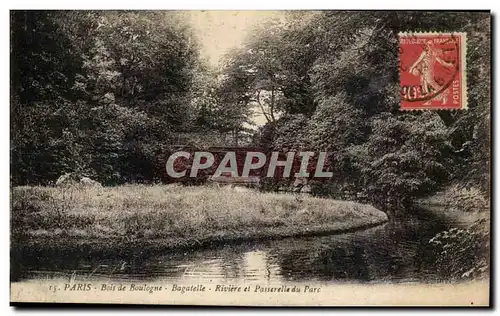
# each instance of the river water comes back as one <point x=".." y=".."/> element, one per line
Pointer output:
<point x="398" y="251"/>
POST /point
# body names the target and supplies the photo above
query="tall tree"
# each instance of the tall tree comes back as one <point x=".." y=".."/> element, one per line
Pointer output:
<point x="98" y="92"/>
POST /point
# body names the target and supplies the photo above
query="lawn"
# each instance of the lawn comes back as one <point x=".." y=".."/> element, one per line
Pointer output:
<point x="172" y="216"/>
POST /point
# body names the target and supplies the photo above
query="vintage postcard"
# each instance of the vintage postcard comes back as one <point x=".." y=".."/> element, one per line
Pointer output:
<point x="250" y="158"/>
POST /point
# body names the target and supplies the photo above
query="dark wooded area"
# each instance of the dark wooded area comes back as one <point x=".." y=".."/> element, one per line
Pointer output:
<point x="105" y="93"/>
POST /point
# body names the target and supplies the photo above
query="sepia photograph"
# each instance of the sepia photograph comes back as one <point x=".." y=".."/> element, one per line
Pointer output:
<point x="250" y="158"/>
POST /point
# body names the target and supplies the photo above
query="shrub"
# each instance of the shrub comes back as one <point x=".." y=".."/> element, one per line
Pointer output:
<point x="463" y="253"/>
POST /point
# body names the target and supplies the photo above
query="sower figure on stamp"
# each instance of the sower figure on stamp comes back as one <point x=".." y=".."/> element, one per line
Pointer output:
<point x="424" y="66"/>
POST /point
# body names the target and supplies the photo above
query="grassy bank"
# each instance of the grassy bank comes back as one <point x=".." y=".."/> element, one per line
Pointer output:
<point x="171" y="216"/>
<point x="458" y="204"/>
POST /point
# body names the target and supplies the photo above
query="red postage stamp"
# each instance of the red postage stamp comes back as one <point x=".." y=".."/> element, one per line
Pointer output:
<point x="432" y="71"/>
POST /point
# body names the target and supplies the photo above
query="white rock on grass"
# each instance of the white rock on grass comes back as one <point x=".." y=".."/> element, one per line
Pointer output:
<point x="70" y="179"/>
<point x="89" y="182"/>
<point x="65" y="179"/>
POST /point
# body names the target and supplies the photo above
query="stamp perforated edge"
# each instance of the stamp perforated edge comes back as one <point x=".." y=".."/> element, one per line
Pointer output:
<point x="463" y="56"/>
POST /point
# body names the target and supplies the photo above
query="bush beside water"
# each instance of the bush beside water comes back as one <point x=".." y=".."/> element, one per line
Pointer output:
<point x="463" y="253"/>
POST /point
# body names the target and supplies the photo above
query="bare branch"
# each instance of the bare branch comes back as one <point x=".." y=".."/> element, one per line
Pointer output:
<point x="262" y="108"/>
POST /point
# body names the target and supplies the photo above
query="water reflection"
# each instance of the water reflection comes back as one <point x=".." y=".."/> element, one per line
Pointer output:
<point x="395" y="252"/>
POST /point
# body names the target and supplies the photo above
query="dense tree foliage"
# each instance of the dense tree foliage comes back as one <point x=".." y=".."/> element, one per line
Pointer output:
<point x="105" y="93"/>
<point x="100" y="93"/>
<point x="333" y="81"/>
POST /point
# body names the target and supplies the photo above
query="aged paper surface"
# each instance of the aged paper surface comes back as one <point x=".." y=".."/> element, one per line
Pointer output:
<point x="250" y="158"/>
<point x="470" y="294"/>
